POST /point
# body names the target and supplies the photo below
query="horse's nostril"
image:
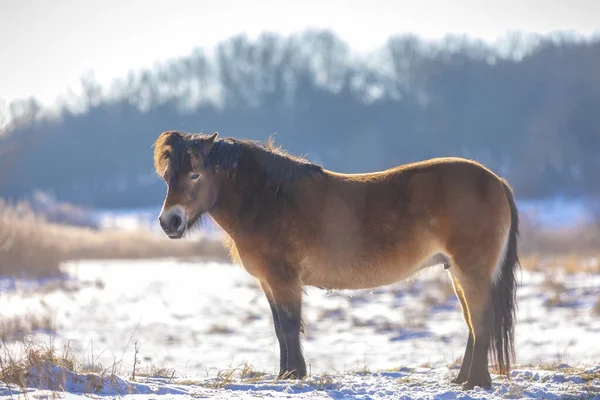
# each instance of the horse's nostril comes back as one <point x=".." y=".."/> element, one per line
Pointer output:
<point x="176" y="222"/>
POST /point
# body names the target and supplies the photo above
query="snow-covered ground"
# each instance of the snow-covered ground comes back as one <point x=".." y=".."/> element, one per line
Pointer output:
<point x="400" y="341"/>
<point x="417" y="383"/>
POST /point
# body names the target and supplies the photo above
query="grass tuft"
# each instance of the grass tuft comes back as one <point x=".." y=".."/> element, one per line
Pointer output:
<point x="35" y="356"/>
<point x="226" y="377"/>
<point x="555" y="289"/>
<point x="16" y="327"/>
<point x="218" y="329"/>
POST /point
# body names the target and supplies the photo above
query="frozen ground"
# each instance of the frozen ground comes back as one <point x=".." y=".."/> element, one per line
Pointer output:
<point x="199" y="319"/>
<point x="419" y="383"/>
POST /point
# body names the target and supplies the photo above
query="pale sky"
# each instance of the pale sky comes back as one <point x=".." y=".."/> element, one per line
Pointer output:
<point x="47" y="45"/>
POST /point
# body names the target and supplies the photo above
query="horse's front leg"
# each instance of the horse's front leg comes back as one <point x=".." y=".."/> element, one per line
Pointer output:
<point x="286" y="293"/>
<point x="277" y="326"/>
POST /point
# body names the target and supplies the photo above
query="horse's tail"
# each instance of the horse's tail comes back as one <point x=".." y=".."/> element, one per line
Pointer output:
<point x="504" y="288"/>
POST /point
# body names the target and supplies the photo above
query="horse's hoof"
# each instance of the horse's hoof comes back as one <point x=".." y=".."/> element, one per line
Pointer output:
<point x="459" y="380"/>
<point x="291" y="375"/>
<point x="483" y="382"/>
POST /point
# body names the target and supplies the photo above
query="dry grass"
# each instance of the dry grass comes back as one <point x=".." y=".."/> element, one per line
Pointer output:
<point x="41" y="366"/>
<point x="36" y="355"/>
<point x="571" y="250"/>
<point x="80" y="243"/>
<point x="218" y="329"/>
<point x="583" y="240"/>
<point x="152" y="371"/>
<point x="25" y="245"/>
<point x="554" y="287"/>
<point x="567" y="263"/>
<point x="225" y="377"/>
<point x="31" y="246"/>
<point x="16" y="327"/>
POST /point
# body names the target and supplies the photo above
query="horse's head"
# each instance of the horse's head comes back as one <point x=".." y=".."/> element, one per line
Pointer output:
<point x="181" y="160"/>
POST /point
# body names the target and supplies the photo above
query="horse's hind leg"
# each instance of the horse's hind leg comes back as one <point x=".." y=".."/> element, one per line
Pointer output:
<point x="463" y="374"/>
<point x="277" y="326"/>
<point x="474" y="278"/>
<point x="286" y="293"/>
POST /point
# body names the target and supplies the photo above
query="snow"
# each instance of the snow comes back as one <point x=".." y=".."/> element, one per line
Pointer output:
<point x="398" y="341"/>
<point x="422" y="383"/>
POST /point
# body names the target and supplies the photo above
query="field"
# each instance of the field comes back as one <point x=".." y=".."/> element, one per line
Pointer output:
<point x="156" y="319"/>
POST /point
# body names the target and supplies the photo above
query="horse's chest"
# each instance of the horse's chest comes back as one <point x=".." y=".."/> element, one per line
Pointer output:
<point x="256" y="269"/>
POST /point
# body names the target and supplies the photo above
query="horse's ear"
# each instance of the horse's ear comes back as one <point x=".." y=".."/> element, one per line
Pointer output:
<point x="208" y="143"/>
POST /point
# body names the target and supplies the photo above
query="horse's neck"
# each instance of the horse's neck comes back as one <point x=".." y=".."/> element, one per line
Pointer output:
<point x="228" y="210"/>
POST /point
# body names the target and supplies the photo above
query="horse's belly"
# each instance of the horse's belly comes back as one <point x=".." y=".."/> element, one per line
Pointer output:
<point x="351" y="275"/>
<point x="348" y="272"/>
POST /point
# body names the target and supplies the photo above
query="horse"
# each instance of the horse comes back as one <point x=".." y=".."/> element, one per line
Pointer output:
<point x="291" y="223"/>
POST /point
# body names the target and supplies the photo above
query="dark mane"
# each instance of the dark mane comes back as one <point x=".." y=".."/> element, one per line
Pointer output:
<point x="282" y="170"/>
<point x="263" y="164"/>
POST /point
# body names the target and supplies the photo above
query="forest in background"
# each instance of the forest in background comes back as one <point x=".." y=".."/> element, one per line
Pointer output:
<point x="529" y="109"/>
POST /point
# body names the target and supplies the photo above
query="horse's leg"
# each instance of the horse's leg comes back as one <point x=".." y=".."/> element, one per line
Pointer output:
<point x="286" y="290"/>
<point x="277" y="326"/>
<point x="476" y="288"/>
<point x="463" y="374"/>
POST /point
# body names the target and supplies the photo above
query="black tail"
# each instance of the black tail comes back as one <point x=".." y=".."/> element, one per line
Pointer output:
<point x="504" y="295"/>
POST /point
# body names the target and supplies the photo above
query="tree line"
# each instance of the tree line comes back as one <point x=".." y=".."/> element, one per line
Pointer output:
<point x="529" y="109"/>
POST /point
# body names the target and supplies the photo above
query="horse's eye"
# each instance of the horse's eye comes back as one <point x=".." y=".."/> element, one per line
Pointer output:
<point x="193" y="177"/>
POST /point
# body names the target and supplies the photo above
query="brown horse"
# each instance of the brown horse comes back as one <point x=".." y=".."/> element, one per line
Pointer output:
<point x="293" y="223"/>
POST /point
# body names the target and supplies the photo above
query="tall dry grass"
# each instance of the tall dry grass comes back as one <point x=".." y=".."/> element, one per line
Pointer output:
<point x="31" y="246"/>
<point x="583" y="240"/>
<point x="26" y="248"/>
<point x="573" y="249"/>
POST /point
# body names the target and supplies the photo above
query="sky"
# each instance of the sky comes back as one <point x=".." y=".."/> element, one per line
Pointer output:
<point x="48" y="45"/>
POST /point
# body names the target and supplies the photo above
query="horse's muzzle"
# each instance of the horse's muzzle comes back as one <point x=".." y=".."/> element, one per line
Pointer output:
<point x="173" y="222"/>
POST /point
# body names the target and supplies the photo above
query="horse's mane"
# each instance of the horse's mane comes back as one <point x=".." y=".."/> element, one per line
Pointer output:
<point x="281" y="169"/>
<point x="267" y="163"/>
